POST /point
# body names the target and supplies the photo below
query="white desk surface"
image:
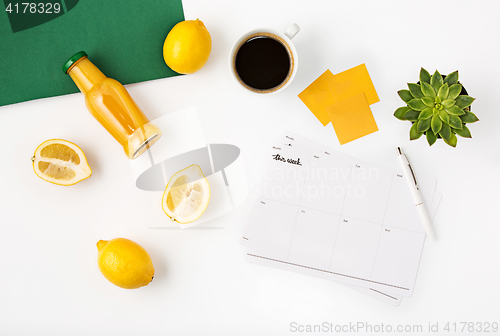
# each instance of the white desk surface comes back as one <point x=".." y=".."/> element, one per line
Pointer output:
<point x="50" y="283"/>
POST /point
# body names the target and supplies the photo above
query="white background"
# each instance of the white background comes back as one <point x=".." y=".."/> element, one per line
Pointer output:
<point x="50" y="283"/>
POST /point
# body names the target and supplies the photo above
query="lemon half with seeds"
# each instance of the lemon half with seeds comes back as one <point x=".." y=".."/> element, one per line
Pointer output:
<point x="187" y="195"/>
<point x="60" y="162"/>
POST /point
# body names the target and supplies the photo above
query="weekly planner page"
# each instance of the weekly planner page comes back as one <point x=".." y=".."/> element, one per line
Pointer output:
<point x="338" y="218"/>
<point x="292" y="139"/>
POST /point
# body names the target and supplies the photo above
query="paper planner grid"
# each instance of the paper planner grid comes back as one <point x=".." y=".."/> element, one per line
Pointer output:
<point x="290" y="139"/>
<point x="338" y="218"/>
<point x="385" y="296"/>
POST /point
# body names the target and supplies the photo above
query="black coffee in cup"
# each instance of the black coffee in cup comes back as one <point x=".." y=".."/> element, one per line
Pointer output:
<point x="263" y="62"/>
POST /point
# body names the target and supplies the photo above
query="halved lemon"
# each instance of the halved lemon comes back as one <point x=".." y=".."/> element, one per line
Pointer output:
<point x="187" y="195"/>
<point x="60" y="162"/>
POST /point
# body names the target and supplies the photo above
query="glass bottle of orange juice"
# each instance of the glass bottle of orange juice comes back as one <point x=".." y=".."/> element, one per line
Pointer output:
<point x="110" y="103"/>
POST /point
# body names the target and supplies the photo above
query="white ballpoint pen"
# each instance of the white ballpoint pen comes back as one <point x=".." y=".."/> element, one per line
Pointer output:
<point x="415" y="192"/>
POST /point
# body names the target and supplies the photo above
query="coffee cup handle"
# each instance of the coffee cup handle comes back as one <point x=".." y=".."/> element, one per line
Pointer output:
<point x="292" y="30"/>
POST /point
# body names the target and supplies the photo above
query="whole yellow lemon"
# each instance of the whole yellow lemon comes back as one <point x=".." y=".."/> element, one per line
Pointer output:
<point x="124" y="263"/>
<point x="187" y="47"/>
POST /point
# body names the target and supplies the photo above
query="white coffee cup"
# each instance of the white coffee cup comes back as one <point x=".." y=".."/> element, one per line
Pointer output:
<point x="285" y="39"/>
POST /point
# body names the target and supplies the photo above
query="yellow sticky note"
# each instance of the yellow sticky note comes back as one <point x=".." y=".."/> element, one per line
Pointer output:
<point x="352" y="82"/>
<point x="318" y="96"/>
<point x="352" y="118"/>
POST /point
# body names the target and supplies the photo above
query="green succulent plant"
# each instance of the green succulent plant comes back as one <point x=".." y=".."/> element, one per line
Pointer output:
<point x="437" y="108"/>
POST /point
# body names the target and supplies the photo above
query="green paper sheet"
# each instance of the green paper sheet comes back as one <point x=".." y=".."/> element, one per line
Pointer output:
<point x="124" y="39"/>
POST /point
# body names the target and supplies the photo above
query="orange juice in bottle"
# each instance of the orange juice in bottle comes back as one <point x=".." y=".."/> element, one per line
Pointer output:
<point x="110" y="103"/>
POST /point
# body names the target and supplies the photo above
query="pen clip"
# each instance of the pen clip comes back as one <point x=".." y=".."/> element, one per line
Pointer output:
<point x="411" y="169"/>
